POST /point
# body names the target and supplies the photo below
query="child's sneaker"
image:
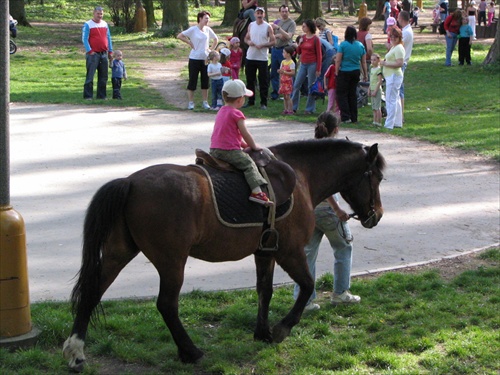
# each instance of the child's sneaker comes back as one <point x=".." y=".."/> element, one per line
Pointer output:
<point x="260" y="198"/>
<point x="344" y="298"/>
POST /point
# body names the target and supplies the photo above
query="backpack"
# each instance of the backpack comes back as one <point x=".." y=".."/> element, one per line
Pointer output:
<point x="442" y="31"/>
<point x="317" y="91"/>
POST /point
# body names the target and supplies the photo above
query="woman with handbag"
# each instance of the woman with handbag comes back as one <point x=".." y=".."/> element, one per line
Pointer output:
<point x="309" y="49"/>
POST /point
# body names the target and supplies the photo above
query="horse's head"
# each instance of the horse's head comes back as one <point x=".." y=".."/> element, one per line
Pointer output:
<point x="362" y="192"/>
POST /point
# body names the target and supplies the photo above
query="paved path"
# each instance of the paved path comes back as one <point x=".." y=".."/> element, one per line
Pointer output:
<point x="437" y="202"/>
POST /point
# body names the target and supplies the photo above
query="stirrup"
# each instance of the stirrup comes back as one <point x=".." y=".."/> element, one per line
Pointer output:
<point x="269" y="232"/>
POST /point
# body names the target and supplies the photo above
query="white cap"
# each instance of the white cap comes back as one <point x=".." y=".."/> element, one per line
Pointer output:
<point x="236" y="89"/>
<point x="225" y="51"/>
<point x="260" y="9"/>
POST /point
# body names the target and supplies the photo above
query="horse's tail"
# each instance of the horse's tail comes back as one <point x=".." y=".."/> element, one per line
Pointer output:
<point x="104" y="210"/>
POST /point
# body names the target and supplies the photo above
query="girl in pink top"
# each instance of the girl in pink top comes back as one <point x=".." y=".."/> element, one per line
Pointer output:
<point x="230" y="135"/>
<point x="236" y="57"/>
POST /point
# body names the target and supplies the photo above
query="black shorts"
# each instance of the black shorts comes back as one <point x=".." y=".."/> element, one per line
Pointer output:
<point x="195" y="68"/>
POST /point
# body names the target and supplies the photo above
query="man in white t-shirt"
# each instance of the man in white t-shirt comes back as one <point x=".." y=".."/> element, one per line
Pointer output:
<point x="259" y="38"/>
<point x="404" y="22"/>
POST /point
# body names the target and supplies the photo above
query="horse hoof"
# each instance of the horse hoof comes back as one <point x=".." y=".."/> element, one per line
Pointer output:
<point x="73" y="351"/>
<point x="264" y="336"/>
<point x="191" y="357"/>
<point x="280" y="333"/>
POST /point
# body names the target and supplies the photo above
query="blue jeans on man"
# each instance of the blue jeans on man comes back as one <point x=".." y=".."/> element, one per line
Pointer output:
<point x="96" y="62"/>
<point x="276" y="59"/>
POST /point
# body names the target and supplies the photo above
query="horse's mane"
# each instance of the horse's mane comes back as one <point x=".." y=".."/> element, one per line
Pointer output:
<point x="323" y="150"/>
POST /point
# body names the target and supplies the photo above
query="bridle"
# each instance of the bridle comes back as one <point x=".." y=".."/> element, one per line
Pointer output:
<point x="368" y="173"/>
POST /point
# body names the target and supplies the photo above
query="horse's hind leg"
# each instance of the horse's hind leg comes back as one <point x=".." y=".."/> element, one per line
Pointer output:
<point x="296" y="267"/>
<point x="114" y="258"/>
<point x="265" y="271"/>
<point x="171" y="279"/>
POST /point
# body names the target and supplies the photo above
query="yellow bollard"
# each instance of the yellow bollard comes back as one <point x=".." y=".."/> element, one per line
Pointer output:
<point x="419" y="4"/>
<point x="15" y="313"/>
<point x="363" y="11"/>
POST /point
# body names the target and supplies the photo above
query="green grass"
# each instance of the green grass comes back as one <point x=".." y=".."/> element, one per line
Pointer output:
<point x="406" y="324"/>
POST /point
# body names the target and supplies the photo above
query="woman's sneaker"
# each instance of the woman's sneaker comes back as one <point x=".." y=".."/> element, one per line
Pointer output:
<point x="344" y="298"/>
<point x="312" y="307"/>
<point x="260" y="198"/>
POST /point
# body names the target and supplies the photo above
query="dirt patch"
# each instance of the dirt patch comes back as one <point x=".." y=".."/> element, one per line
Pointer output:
<point x="448" y="268"/>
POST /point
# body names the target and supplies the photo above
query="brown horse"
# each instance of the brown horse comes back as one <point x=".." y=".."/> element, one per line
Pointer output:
<point x="166" y="211"/>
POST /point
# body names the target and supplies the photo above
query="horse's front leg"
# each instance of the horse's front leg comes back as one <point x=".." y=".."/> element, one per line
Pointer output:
<point x="296" y="267"/>
<point x="265" y="272"/>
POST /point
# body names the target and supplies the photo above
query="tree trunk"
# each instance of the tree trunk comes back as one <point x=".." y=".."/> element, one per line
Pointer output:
<point x="452" y="4"/>
<point x="296" y="6"/>
<point x="379" y="15"/>
<point x="493" y="55"/>
<point x="231" y="11"/>
<point x="352" y="8"/>
<point x="150" y="13"/>
<point x="311" y="9"/>
<point x="17" y="11"/>
<point x="175" y="17"/>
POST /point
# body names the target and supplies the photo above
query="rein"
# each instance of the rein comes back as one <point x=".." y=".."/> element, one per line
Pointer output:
<point x="371" y="213"/>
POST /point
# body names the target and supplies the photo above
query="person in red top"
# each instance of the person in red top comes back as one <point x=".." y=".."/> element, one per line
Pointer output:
<point x="330" y="85"/>
<point x="96" y="39"/>
<point x="452" y="25"/>
<point x="225" y="55"/>
<point x="309" y="49"/>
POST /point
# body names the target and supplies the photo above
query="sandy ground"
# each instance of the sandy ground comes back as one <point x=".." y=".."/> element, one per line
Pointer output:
<point x="438" y="202"/>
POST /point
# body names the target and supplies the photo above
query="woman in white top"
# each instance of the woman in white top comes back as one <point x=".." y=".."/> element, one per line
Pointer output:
<point x="393" y="75"/>
<point x="198" y="38"/>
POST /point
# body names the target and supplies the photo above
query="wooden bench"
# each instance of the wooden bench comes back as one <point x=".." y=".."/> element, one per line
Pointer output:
<point x="423" y="27"/>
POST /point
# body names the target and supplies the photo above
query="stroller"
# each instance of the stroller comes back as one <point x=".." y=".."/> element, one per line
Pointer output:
<point x="362" y="97"/>
<point x="13" y="34"/>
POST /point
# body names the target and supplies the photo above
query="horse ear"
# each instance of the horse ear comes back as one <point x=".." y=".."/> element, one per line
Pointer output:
<point x="372" y="154"/>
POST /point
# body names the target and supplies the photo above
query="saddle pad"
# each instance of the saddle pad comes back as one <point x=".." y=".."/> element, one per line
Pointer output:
<point x="230" y="193"/>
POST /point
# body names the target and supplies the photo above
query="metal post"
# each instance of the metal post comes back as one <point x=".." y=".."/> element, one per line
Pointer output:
<point x="4" y="105"/>
<point x="15" y="313"/>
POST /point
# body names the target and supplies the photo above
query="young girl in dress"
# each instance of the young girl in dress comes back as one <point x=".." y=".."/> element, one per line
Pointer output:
<point x="491" y="13"/>
<point x="287" y="72"/>
<point x="236" y="57"/>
